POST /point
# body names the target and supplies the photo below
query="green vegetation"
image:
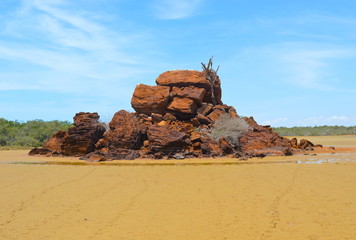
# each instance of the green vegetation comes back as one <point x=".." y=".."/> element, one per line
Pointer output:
<point x="316" y="131"/>
<point x="14" y="134"/>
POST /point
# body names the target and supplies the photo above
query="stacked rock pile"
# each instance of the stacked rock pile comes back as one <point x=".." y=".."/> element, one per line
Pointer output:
<point x="171" y="119"/>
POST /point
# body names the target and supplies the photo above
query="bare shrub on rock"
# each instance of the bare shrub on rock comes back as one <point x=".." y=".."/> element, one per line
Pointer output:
<point x="230" y="128"/>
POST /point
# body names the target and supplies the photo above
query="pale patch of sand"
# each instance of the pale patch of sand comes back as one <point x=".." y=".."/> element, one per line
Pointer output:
<point x="270" y="198"/>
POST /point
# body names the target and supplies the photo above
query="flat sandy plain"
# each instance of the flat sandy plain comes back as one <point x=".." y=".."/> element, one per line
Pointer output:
<point x="296" y="197"/>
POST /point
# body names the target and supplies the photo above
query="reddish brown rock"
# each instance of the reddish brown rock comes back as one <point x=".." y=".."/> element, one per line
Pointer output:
<point x="205" y="109"/>
<point x="182" y="106"/>
<point x="216" y="114"/>
<point x="195" y="136"/>
<point x="39" y="151"/>
<point x="294" y="143"/>
<point x="195" y="122"/>
<point x="84" y="135"/>
<point x="125" y="131"/>
<point x="96" y="158"/>
<point x="150" y="99"/>
<point x="305" y="144"/>
<point x="189" y="78"/>
<point x="225" y="146"/>
<point x="54" y="144"/>
<point x="263" y="143"/>
<point x="202" y="119"/>
<point x="165" y="139"/>
<point x="156" y="117"/>
<point x="210" y="147"/>
<point x="194" y="93"/>
<point x="169" y="117"/>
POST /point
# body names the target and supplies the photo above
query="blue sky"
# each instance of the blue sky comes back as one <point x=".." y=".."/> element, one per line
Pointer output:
<point x="287" y="63"/>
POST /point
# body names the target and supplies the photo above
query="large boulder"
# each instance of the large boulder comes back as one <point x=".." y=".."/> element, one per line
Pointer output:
<point x="194" y="93"/>
<point x="150" y="99"/>
<point x="165" y="139"/>
<point x="125" y="131"/>
<point x="55" y="143"/>
<point x="84" y="135"/>
<point x="189" y="78"/>
<point x="182" y="106"/>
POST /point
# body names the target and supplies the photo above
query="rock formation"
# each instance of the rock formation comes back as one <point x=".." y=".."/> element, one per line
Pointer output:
<point x="172" y="119"/>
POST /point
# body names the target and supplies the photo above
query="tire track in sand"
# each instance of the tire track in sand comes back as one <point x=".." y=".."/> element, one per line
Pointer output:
<point x="130" y="204"/>
<point x="274" y="208"/>
<point x="25" y="204"/>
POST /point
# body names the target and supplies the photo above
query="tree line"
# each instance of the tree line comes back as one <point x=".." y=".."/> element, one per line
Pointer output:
<point x="28" y="134"/>
<point x="35" y="133"/>
<point x="316" y="131"/>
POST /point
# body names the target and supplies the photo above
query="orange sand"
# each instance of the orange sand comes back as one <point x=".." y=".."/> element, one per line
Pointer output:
<point x="270" y="198"/>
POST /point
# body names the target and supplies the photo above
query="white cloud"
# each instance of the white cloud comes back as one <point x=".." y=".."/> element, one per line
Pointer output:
<point x="176" y="9"/>
<point x="68" y="51"/>
<point x="276" y="122"/>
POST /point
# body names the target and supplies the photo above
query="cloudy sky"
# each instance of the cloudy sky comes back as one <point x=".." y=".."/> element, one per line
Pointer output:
<point x="287" y="63"/>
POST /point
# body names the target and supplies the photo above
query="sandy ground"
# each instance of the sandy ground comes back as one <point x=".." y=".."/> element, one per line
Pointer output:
<point x="298" y="197"/>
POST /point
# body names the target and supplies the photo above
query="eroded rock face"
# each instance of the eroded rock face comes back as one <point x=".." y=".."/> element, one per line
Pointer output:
<point x="261" y="141"/>
<point x="125" y="131"/>
<point x="166" y="139"/>
<point x="194" y="93"/>
<point x="81" y="138"/>
<point x="189" y="78"/>
<point x="55" y="143"/>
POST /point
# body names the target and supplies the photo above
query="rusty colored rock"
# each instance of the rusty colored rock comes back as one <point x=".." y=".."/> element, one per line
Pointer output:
<point x="225" y="146"/>
<point x="205" y="109"/>
<point x="182" y="106"/>
<point x="294" y="143"/>
<point x="156" y="117"/>
<point x="165" y="139"/>
<point x="150" y="99"/>
<point x="169" y="117"/>
<point x="216" y="114"/>
<point x="54" y="144"/>
<point x="96" y="158"/>
<point x="203" y="120"/>
<point x="305" y="144"/>
<point x="195" y="136"/>
<point x="210" y="147"/>
<point x="194" y="93"/>
<point x="189" y="78"/>
<point x="39" y="151"/>
<point x="84" y="135"/>
<point x="263" y="143"/>
<point x="125" y="131"/>
<point x="195" y="122"/>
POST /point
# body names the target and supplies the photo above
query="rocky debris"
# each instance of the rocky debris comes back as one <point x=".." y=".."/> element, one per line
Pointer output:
<point x="96" y="158"/>
<point x="305" y="144"/>
<point x="262" y="141"/>
<point x="172" y="120"/>
<point x="39" y="151"/>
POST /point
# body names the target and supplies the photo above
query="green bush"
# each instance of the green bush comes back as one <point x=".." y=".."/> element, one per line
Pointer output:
<point x="31" y="133"/>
